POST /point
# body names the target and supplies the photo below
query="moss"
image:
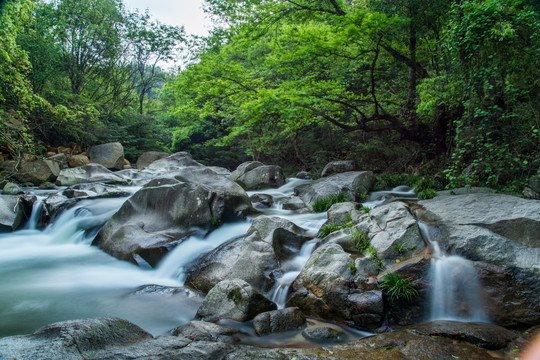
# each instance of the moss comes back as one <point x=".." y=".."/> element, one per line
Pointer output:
<point x="235" y="295"/>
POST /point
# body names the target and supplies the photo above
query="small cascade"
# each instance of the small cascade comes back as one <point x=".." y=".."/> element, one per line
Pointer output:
<point x="37" y="209"/>
<point x="456" y="293"/>
<point x="292" y="268"/>
<point x="175" y="262"/>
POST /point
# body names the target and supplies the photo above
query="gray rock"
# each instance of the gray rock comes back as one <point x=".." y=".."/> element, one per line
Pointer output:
<point x="324" y="289"/>
<point x="251" y="258"/>
<point x="323" y="334"/>
<point x="293" y="203"/>
<point x="11" y="212"/>
<point x="12" y="189"/>
<point x="110" y="155"/>
<point x="233" y="299"/>
<point x="304" y="175"/>
<point x="534" y="183"/>
<point x="74" y="339"/>
<point x="261" y="177"/>
<point x="336" y="167"/>
<point x="244" y="168"/>
<point x="345" y="212"/>
<point x="278" y="321"/>
<point x="262" y="200"/>
<point x="206" y="331"/>
<point x="78" y="160"/>
<point x="350" y="183"/>
<point x="177" y="160"/>
<point x="87" y="173"/>
<point x="34" y="172"/>
<point x="168" y="209"/>
<point x="220" y="170"/>
<point x="149" y="157"/>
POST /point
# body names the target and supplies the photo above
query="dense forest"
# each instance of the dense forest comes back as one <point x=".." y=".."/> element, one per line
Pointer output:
<point x="439" y="87"/>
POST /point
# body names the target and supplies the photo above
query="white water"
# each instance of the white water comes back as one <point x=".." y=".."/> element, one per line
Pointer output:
<point x="54" y="274"/>
<point x="456" y="293"/>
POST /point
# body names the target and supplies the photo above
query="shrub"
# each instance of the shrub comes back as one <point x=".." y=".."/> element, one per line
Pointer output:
<point x="427" y="194"/>
<point x="397" y="288"/>
<point x="323" y="204"/>
<point x="360" y="240"/>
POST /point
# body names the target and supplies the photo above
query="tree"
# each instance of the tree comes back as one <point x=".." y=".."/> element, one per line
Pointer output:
<point x="151" y="43"/>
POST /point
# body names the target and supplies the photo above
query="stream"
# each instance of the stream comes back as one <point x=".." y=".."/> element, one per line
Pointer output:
<point x="55" y="274"/>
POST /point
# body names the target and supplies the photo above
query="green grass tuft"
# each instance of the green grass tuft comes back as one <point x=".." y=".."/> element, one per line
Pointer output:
<point x="399" y="289"/>
<point x="323" y="204"/>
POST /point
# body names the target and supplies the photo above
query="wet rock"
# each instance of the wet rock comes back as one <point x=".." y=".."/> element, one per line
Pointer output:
<point x="233" y="299"/>
<point x="488" y="336"/>
<point x="278" y="321"/>
<point x="149" y="157"/>
<point x="350" y="183"/>
<point x="337" y="167"/>
<point x="34" y="172"/>
<point x="12" y="189"/>
<point x="293" y="203"/>
<point x="512" y="294"/>
<point x="94" y="191"/>
<point x="262" y="200"/>
<point x="74" y="339"/>
<point x="304" y="175"/>
<point x="323" y="334"/>
<point x="265" y="176"/>
<point x="206" y="331"/>
<point x="177" y="160"/>
<point x="244" y="168"/>
<point x="220" y="170"/>
<point x="87" y="173"/>
<point x="11" y="212"/>
<point x="345" y="212"/>
<point x="110" y="155"/>
<point x="78" y="160"/>
<point x="167" y="210"/>
<point x="251" y="258"/>
<point x="325" y="289"/>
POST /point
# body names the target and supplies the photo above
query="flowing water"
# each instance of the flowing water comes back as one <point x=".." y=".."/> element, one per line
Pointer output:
<point x="55" y="274"/>
<point x="456" y="293"/>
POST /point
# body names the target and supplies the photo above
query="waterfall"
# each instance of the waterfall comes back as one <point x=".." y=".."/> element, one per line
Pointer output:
<point x="456" y="293"/>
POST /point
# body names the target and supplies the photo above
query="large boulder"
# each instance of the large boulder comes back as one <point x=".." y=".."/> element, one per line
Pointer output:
<point x="149" y="157"/>
<point x="87" y="173"/>
<point x="177" y="160"/>
<point x="251" y="258"/>
<point x="325" y="289"/>
<point x="110" y="155"/>
<point x="11" y="212"/>
<point x="78" y="160"/>
<point x="264" y="176"/>
<point x="351" y="183"/>
<point x="34" y="172"/>
<point x="336" y="167"/>
<point x="168" y="209"/>
<point x="233" y="299"/>
<point x="493" y="228"/>
<point x="244" y="168"/>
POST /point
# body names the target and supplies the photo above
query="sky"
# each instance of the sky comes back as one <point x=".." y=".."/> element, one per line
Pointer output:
<point x="188" y="13"/>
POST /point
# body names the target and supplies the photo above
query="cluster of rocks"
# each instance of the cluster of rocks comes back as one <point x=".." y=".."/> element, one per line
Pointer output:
<point x="339" y="283"/>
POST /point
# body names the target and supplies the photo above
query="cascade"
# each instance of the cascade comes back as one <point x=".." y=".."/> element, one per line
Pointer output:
<point x="456" y="293"/>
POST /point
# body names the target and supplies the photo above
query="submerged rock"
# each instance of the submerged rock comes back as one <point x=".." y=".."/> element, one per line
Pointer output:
<point x="233" y="299"/>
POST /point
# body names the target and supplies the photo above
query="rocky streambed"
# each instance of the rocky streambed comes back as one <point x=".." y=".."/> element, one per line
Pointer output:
<point x="179" y="261"/>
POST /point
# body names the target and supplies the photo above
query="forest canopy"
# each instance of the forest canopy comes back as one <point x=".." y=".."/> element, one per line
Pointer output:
<point x="426" y="87"/>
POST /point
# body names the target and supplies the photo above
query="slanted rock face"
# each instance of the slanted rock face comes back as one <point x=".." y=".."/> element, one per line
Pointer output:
<point x="175" y="161"/>
<point x="493" y="228"/>
<point x="350" y="183"/>
<point x="87" y="173"/>
<point x="325" y="289"/>
<point x="336" y="167"/>
<point x="167" y="210"/>
<point x="11" y="212"/>
<point x="149" y="157"/>
<point x="109" y="155"/>
<point x="35" y="172"/>
<point x="233" y="299"/>
<point x="251" y="258"/>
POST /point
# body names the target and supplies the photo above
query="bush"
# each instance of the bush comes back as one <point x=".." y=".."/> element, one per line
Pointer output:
<point x="427" y="194"/>
<point x="360" y="240"/>
<point x="399" y="289"/>
<point x="323" y="204"/>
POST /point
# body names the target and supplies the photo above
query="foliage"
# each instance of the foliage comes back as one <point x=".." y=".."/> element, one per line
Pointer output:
<point x="399" y="289"/>
<point x="333" y="227"/>
<point x="323" y="204"/>
<point x="427" y="194"/>
<point x="352" y="268"/>
<point x="360" y="239"/>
